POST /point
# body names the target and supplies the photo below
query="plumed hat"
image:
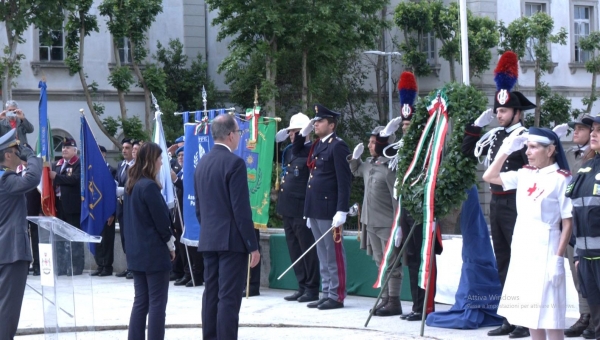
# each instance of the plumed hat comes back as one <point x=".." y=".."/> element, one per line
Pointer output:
<point x="506" y="75"/>
<point x="407" y="92"/>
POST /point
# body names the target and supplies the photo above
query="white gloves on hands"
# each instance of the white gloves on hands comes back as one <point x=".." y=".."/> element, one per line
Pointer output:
<point x="485" y="118"/>
<point x="308" y="223"/>
<point x="391" y="127"/>
<point x="398" y="237"/>
<point x="561" y="130"/>
<point x="358" y="151"/>
<point x="308" y="128"/>
<point x="120" y="191"/>
<point x="281" y="135"/>
<point x="513" y="143"/>
<point x="339" y="219"/>
<point x="171" y="243"/>
<point x="556" y="270"/>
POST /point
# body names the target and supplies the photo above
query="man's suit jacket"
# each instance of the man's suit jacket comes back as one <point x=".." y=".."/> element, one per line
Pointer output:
<point x="121" y="178"/>
<point x="328" y="189"/>
<point x="69" y="181"/>
<point x="223" y="203"/>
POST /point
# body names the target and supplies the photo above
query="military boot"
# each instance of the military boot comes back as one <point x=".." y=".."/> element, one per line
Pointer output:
<point x="393" y="307"/>
<point x="578" y="327"/>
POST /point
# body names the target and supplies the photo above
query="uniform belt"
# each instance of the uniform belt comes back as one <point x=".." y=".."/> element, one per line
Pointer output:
<point x="589" y="201"/>
<point x="508" y="192"/>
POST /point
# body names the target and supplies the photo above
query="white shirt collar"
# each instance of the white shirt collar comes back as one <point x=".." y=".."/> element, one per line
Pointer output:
<point x="228" y="148"/>
<point x="549" y="169"/>
<point x="512" y="127"/>
<point x="584" y="148"/>
<point x="326" y="138"/>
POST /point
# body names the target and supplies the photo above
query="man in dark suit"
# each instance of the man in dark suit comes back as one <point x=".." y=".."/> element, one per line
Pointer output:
<point x="326" y="205"/>
<point x="66" y="177"/>
<point x="15" y="253"/>
<point x="121" y="178"/>
<point x="290" y="205"/>
<point x="227" y="230"/>
<point x="105" y="251"/>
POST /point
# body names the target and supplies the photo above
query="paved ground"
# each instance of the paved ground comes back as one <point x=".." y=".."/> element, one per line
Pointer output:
<point x="267" y="316"/>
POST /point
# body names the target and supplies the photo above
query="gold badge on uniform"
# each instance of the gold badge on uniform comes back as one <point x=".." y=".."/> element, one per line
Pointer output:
<point x="69" y="171"/>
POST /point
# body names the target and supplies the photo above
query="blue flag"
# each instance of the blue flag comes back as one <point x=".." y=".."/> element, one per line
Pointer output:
<point x="98" y="187"/>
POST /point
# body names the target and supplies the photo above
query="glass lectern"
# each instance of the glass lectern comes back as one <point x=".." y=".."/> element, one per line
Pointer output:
<point x="66" y="284"/>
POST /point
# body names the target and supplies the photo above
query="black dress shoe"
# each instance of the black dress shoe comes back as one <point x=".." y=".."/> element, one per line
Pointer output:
<point x="252" y="293"/>
<point x="504" y="329"/>
<point x="316" y="303"/>
<point x="36" y="271"/>
<point x="122" y="274"/>
<point x="589" y="333"/>
<point x="129" y="275"/>
<point x="307" y="297"/>
<point x="578" y="327"/>
<point x="293" y="297"/>
<point x="414" y="316"/>
<point x="191" y="283"/>
<point x="519" y="332"/>
<point x="330" y="304"/>
<point x="183" y="281"/>
<point x="105" y="273"/>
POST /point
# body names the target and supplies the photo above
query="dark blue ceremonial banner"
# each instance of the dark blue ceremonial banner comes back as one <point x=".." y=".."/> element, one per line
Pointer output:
<point x="479" y="290"/>
<point x="196" y="146"/>
<point x="98" y="187"/>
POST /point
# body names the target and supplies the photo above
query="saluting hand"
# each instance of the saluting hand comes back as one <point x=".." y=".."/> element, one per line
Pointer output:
<point x="281" y="135"/>
<point x="561" y="130"/>
<point x="308" y="128"/>
<point x="485" y="118"/>
<point x="391" y="127"/>
<point x="358" y="151"/>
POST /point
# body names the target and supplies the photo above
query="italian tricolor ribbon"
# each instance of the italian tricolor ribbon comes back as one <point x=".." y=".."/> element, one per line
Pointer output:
<point x="430" y="144"/>
<point x="252" y="116"/>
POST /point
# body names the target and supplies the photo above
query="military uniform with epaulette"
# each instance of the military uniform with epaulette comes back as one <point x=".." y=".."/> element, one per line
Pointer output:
<point x="327" y="199"/>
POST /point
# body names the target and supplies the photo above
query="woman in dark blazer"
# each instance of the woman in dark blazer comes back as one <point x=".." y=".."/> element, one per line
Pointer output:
<point x="149" y="243"/>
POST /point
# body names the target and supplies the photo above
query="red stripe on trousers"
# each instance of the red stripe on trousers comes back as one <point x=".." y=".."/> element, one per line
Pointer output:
<point x="341" y="272"/>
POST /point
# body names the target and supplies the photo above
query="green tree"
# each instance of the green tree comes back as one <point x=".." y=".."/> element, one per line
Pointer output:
<point x="591" y="44"/>
<point x="482" y="35"/>
<point x="537" y="31"/>
<point x="131" y="20"/>
<point x="184" y="81"/>
<point x="416" y="21"/>
<point x="18" y="16"/>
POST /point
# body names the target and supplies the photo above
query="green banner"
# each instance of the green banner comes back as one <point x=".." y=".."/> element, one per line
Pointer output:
<point x="259" y="161"/>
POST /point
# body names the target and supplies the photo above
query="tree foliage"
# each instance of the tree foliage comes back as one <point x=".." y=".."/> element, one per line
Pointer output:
<point x="482" y="35"/>
<point x="533" y="35"/>
<point x="415" y="19"/>
<point x="591" y="44"/>
<point x="18" y="16"/>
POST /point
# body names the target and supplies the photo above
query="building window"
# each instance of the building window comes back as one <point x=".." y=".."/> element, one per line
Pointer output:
<point x="51" y="45"/>
<point x="532" y="8"/>
<point x="428" y="47"/>
<point x="58" y="136"/>
<point x="124" y="46"/>
<point x="582" y="17"/>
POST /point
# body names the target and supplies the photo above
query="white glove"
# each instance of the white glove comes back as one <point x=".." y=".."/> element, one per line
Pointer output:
<point x="486" y="117"/>
<point x="308" y="223"/>
<point x="358" y="151"/>
<point x="391" y="127"/>
<point x="398" y="237"/>
<point x="281" y="135"/>
<point x="513" y="143"/>
<point x="308" y="128"/>
<point x="556" y="270"/>
<point x="171" y="243"/>
<point x="339" y="219"/>
<point x="120" y="191"/>
<point x="561" y="130"/>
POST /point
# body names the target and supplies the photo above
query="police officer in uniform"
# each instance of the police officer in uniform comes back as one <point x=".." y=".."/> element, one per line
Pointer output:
<point x="326" y="204"/>
<point x="66" y="177"/>
<point x="290" y="205"/>
<point x="508" y="107"/>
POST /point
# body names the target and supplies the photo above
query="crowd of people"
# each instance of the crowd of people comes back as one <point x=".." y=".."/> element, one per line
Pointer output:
<point x="543" y="211"/>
